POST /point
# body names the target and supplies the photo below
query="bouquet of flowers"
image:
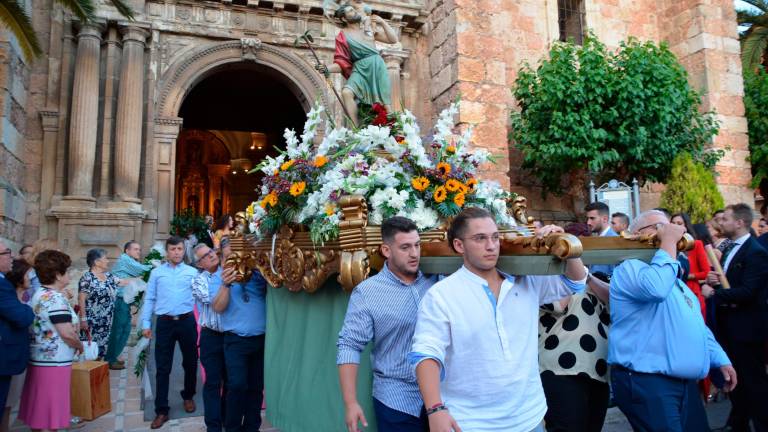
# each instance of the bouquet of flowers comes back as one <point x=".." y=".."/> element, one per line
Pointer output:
<point x="387" y="162"/>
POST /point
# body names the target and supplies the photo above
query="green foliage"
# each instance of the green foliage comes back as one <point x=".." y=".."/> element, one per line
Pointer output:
<point x="691" y="189"/>
<point x="756" y="104"/>
<point x="618" y="114"/>
<point x="187" y="222"/>
<point x="754" y="40"/>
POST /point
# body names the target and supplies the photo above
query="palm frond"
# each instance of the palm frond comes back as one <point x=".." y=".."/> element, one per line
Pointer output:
<point x="13" y="15"/>
<point x="123" y="9"/>
<point x="760" y="4"/>
<point x="753" y="47"/>
<point x="746" y="17"/>
<point x="82" y="9"/>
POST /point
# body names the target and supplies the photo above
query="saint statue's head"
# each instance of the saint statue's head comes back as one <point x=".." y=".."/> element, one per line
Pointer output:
<point x="346" y="12"/>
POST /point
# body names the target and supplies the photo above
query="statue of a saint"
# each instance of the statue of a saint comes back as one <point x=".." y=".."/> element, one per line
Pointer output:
<point x="357" y="58"/>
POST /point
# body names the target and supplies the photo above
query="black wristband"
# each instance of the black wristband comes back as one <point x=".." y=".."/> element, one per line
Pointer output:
<point x="435" y="409"/>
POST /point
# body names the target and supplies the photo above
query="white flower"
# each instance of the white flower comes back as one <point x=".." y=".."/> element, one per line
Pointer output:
<point x="445" y="122"/>
<point x="331" y="140"/>
<point x="271" y="165"/>
<point x="425" y="218"/>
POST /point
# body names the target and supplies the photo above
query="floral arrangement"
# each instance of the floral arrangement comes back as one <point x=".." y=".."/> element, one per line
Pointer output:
<point x="385" y="161"/>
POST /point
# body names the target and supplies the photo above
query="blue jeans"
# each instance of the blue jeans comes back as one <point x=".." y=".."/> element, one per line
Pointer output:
<point x="392" y="420"/>
<point x="244" y="357"/>
<point x="212" y="359"/>
<point x="654" y="402"/>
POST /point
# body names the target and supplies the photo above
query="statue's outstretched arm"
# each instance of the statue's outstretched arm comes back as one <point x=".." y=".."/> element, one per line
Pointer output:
<point x="384" y="33"/>
<point x="328" y="69"/>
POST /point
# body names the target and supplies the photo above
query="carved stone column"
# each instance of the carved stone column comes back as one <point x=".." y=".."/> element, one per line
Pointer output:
<point x="130" y="112"/>
<point x="84" y="115"/>
<point x="394" y="60"/>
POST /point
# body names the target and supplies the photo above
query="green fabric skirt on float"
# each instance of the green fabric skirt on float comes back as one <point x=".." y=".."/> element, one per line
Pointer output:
<point x="301" y="380"/>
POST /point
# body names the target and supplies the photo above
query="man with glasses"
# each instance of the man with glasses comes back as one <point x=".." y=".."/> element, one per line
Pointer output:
<point x="242" y="306"/>
<point x="15" y="319"/>
<point x="205" y="290"/>
<point x="659" y="346"/>
<point x="475" y="347"/>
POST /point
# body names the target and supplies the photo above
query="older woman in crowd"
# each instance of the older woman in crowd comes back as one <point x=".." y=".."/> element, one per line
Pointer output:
<point x="96" y="297"/>
<point x="45" y="400"/>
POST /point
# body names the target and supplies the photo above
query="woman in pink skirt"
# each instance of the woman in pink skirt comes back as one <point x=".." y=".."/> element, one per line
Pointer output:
<point x="45" y="399"/>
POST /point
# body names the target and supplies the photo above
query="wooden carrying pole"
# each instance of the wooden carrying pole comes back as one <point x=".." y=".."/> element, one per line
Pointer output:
<point x="718" y="268"/>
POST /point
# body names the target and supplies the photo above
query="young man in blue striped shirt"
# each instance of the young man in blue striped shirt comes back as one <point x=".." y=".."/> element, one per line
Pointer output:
<point x="383" y="309"/>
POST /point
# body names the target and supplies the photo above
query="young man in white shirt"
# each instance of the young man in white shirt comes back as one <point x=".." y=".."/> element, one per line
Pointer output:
<point x="475" y="347"/>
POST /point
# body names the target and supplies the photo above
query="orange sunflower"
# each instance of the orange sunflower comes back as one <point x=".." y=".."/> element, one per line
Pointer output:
<point x="420" y="183"/>
<point x="452" y="185"/>
<point x="444" y="168"/>
<point x="440" y="194"/>
<point x="451" y="149"/>
<point x="270" y="199"/>
<point x="298" y="188"/>
<point x="459" y="199"/>
<point x="320" y="161"/>
<point x="471" y="183"/>
<point x="287" y="165"/>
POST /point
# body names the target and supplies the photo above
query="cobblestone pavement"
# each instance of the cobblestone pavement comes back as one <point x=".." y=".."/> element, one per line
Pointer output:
<point x="126" y="414"/>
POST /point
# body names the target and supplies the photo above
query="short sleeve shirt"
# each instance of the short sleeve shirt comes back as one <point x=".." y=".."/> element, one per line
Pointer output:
<point x="47" y="347"/>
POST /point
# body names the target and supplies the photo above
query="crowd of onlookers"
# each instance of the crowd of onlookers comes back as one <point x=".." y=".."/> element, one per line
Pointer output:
<point x="475" y="350"/>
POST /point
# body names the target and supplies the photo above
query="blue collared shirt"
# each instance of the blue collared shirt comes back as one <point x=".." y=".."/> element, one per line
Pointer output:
<point x="657" y="323"/>
<point x="169" y="292"/>
<point x="246" y="313"/>
<point x="205" y="286"/>
<point x="383" y="309"/>
<point x="606" y="269"/>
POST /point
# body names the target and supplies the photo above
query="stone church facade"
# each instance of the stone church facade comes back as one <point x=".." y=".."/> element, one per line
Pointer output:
<point x="90" y="130"/>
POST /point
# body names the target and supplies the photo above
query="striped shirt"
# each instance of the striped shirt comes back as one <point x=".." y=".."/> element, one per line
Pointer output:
<point x="205" y="286"/>
<point x="383" y="309"/>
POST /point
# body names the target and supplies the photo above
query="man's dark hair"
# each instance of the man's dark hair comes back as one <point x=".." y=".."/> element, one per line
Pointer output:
<point x="18" y="269"/>
<point x="601" y="207"/>
<point x="173" y="241"/>
<point x="621" y="216"/>
<point x="459" y="224"/>
<point x="717" y="212"/>
<point x="51" y="263"/>
<point x="394" y="225"/>
<point x="742" y="212"/>
<point x="129" y="244"/>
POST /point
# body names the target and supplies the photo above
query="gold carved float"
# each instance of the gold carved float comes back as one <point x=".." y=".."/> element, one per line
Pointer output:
<point x="289" y="258"/>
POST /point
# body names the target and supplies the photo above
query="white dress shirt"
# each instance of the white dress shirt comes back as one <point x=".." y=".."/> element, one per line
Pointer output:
<point x="488" y="349"/>
<point x="739" y="241"/>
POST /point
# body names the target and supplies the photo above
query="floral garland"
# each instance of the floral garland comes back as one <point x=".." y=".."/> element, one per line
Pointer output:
<point x="387" y="163"/>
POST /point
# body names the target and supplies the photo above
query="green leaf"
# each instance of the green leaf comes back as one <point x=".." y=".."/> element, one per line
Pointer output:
<point x="13" y="16"/>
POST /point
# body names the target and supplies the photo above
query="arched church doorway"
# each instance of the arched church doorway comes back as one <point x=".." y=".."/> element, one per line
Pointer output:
<point x="232" y="119"/>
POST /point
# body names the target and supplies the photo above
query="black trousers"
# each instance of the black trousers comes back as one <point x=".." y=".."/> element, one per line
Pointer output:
<point x="654" y="402"/>
<point x="167" y="334"/>
<point x="212" y="359"/>
<point x="392" y="420"/>
<point x="244" y="357"/>
<point x="749" y="400"/>
<point x="574" y="403"/>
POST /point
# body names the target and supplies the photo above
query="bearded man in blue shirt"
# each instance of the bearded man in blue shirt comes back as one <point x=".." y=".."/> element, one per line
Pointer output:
<point x="659" y="346"/>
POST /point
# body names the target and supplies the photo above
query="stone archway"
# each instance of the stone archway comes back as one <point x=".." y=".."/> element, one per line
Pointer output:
<point x="182" y="76"/>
